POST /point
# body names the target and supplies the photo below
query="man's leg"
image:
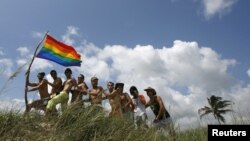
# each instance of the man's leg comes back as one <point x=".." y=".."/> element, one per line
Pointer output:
<point x="61" y="98"/>
<point x="38" y="105"/>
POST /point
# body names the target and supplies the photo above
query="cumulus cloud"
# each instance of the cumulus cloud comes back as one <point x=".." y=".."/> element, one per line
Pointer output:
<point x="248" y="72"/>
<point x="71" y="30"/>
<point x="1" y="51"/>
<point x="38" y="64"/>
<point x="14" y="105"/>
<point x="23" y="51"/>
<point x="41" y="64"/>
<point x="213" y="7"/>
<point x="199" y="70"/>
<point x="38" y="35"/>
<point x="6" y="67"/>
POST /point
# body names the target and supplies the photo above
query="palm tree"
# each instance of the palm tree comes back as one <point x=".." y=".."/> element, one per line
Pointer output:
<point x="217" y="107"/>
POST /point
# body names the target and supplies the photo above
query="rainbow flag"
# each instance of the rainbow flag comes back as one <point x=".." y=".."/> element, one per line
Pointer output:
<point x="59" y="52"/>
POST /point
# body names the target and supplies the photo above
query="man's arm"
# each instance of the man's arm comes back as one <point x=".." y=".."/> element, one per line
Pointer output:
<point x="147" y="104"/>
<point x="130" y="102"/>
<point x="32" y="84"/>
<point x="100" y="89"/>
<point x="114" y="93"/>
<point x="43" y="82"/>
<point x="56" y="83"/>
<point x="105" y="96"/>
<point x="82" y="88"/>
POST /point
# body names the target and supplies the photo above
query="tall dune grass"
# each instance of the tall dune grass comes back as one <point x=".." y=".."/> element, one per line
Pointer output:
<point x="89" y="124"/>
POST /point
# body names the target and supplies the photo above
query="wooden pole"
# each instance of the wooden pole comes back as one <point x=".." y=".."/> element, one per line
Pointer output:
<point x="28" y="71"/>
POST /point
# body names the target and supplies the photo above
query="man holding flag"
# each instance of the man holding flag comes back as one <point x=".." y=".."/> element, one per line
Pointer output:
<point x="62" y="54"/>
<point x="42" y="87"/>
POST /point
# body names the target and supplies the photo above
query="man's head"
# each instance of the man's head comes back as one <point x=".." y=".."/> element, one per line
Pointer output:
<point x="40" y="75"/>
<point x="53" y="74"/>
<point x="68" y="72"/>
<point x="133" y="91"/>
<point x="110" y="86"/>
<point x="81" y="78"/>
<point x="94" y="81"/>
<point x="150" y="91"/>
<point x="120" y="86"/>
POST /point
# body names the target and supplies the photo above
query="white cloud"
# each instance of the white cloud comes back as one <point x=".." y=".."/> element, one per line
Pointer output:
<point x="21" y="62"/>
<point x="41" y="64"/>
<point x="23" y="51"/>
<point x="1" y="51"/>
<point x="6" y="67"/>
<point x="38" y="64"/>
<point x="71" y="30"/>
<point x="248" y="72"/>
<point x="213" y="7"/>
<point x="38" y="35"/>
<point x="200" y="70"/>
<point x="14" y="105"/>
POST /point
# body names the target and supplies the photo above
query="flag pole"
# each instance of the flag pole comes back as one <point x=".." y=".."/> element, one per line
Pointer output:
<point x="28" y="71"/>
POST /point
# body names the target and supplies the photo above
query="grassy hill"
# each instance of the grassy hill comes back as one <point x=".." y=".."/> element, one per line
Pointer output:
<point x="89" y="124"/>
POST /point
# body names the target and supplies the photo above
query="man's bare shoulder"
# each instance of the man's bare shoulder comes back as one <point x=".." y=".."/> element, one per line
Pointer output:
<point x="44" y="81"/>
<point x="71" y="80"/>
<point x="59" y="79"/>
<point x="82" y="85"/>
<point x="100" y="87"/>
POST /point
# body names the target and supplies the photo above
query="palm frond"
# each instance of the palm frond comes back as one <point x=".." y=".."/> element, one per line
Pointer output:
<point x="221" y="118"/>
<point x="208" y="111"/>
<point x="225" y="111"/>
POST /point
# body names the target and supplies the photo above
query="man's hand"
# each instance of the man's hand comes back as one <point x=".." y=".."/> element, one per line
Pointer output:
<point x="52" y="95"/>
<point x="156" y="120"/>
<point x="26" y="89"/>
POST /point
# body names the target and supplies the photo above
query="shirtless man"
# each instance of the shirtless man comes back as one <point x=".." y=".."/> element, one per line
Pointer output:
<point x="81" y="89"/>
<point x="63" y="96"/>
<point x="114" y="99"/>
<point x="56" y="85"/>
<point x="95" y="94"/>
<point x="42" y="87"/>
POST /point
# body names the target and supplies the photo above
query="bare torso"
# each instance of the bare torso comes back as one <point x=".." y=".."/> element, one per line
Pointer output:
<point x="68" y="85"/>
<point x="124" y="101"/>
<point x="57" y="86"/>
<point x="43" y="89"/>
<point x="115" y="103"/>
<point x="96" y="95"/>
<point x="81" y="90"/>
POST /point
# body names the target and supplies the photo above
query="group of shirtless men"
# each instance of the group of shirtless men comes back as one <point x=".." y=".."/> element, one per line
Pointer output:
<point x="122" y="105"/>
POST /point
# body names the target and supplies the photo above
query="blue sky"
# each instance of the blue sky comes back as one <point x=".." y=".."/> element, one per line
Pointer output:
<point x="183" y="47"/>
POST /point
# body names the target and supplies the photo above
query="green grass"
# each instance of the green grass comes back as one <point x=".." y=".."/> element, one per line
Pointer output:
<point x="89" y="124"/>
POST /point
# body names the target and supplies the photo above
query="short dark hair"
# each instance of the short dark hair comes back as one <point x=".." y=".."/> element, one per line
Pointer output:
<point x="53" y="71"/>
<point x="121" y="85"/>
<point x="132" y="89"/>
<point x="111" y="83"/>
<point x="42" y="74"/>
<point x="81" y="75"/>
<point x="68" y="70"/>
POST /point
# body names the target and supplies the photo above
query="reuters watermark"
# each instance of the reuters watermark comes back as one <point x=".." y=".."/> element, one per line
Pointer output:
<point x="241" y="132"/>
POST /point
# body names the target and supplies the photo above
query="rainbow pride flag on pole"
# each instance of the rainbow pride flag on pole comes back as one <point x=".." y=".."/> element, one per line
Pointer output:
<point x="59" y="52"/>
